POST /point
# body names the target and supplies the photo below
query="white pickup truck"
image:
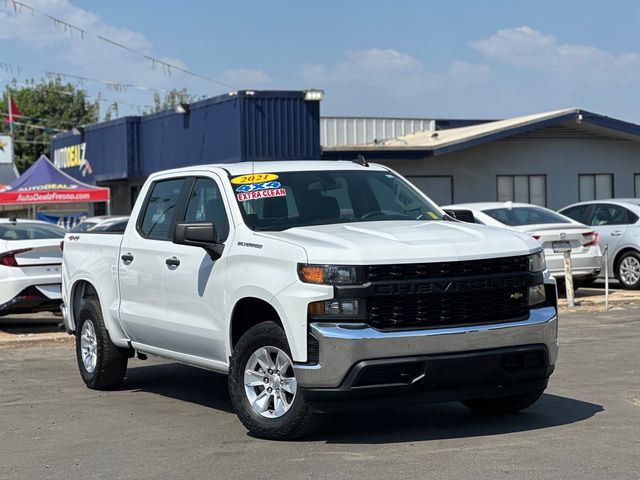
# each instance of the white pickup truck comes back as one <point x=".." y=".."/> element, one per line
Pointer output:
<point x="316" y="286"/>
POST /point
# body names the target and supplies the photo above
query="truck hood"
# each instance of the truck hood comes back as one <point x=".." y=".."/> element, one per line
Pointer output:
<point x="404" y="242"/>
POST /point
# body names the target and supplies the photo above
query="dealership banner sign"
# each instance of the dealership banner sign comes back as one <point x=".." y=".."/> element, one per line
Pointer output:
<point x="44" y="183"/>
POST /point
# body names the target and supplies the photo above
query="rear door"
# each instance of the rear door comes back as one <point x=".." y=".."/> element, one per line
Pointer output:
<point x="145" y="246"/>
<point x="194" y="284"/>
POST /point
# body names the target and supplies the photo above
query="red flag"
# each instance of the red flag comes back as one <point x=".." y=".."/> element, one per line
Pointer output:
<point x="13" y="113"/>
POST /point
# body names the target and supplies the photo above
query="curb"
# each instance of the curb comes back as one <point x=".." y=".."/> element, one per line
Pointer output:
<point x="30" y="339"/>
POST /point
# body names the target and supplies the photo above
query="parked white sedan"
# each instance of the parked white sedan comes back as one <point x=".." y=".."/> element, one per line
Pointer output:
<point x="618" y="223"/>
<point x="554" y="231"/>
<point x="30" y="261"/>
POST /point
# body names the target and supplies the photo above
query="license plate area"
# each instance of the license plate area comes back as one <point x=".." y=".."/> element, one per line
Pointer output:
<point x="561" y="246"/>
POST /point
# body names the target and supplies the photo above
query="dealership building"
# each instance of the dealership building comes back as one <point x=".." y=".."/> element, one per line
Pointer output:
<point x="551" y="159"/>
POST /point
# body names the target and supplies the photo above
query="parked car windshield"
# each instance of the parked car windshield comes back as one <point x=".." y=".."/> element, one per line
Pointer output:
<point x="29" y="231"/>
<point x="517" y="216"/>
<point x="280" y="201"/>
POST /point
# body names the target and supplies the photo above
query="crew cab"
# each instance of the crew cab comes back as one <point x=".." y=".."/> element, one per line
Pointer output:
<point x="317" y="286"/>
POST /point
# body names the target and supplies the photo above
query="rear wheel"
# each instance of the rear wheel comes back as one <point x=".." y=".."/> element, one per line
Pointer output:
<point x="629" y="271"/>
<point x="502" y="405"/>
<point x="102" y="364"/>
<point x="263" y="388"/>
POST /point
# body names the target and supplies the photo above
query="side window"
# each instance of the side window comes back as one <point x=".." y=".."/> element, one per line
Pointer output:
<point x="160" y="209"/>
<point x="206" y="205"/>
<point x="578" y="213"/>
<point x="604" y="214"/>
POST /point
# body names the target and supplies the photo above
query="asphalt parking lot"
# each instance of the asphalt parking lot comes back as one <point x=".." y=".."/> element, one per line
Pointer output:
<point x="173" y="421"/>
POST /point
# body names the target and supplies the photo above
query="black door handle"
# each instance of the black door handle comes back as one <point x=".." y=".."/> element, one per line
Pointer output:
<point x="172" y="262"/>
<point x="127" y="258"/>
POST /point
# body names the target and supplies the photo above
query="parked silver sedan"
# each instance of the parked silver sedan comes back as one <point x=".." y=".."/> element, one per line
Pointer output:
<point x="618" y="223"/>
<point x="554" y="231"/>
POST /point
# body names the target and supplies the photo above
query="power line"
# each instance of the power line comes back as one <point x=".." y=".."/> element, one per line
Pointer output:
<point x="155" y="62"/>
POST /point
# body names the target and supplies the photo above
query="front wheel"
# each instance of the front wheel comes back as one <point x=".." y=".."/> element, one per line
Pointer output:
<point x="629" y="271"/>
<point x="502" y="405"/>
<point x="263" y="388"/>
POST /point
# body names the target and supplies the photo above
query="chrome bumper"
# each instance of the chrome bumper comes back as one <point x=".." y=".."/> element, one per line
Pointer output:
<point x="343" y="345"/>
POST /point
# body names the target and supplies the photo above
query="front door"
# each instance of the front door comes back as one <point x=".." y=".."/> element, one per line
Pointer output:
<point x="194" y="284"/>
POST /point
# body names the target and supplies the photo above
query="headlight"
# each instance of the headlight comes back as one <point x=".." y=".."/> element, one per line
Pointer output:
<point x="537" y="263"/>
<point x="337" y="308"/>
<point x="331" y="274"/>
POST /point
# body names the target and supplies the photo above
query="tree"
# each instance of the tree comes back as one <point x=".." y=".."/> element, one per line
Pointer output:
<point x="171" y="99"/>
<point x="46" y="108"/>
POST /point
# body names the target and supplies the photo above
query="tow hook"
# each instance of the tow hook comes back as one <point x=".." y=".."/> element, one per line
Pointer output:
<point x="141" y="355"/>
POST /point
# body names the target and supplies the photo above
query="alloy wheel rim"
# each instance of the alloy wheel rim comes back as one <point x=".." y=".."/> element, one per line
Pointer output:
<point x="630" y="270"/>
<point x="89" y="346"/>
<point x="269" y="382"/>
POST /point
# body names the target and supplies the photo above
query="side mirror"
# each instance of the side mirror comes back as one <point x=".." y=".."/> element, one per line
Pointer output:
<point x="462" y="215"/>
<point x="201" y="235"/>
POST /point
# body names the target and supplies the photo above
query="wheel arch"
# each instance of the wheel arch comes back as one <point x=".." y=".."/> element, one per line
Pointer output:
<point x="248" y="312"/>
<point x="80" y="290"/>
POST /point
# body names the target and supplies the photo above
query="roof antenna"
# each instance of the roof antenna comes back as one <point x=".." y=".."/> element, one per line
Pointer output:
<point x="361" y="161"/>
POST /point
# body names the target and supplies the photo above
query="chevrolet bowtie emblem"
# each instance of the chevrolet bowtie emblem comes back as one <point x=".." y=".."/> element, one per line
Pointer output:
<point x="517" y="295"/>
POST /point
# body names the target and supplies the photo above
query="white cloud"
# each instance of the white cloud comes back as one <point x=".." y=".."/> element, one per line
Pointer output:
<point x="529" y="49"/>
<point x="67" y="52"/>
<point x="390" y="71"/>
<point x="245" y="77"/>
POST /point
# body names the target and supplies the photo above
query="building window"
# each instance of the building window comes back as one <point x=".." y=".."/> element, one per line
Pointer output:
<point x="438" y="188"/>
<point x="595" y="186"/>
<point x="523" y="188"/>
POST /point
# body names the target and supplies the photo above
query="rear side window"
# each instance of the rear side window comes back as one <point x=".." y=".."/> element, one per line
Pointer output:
<point x="160" y="210"/>
<point x="29" y="231"/>
<point x="206" y="205"/>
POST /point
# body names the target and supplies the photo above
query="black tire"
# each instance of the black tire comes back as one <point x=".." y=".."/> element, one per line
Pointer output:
<point x="619" y="270"/>
<point x="298" y="421"/>
<point x="502" y="405"/>
<point x="111" y="361"/>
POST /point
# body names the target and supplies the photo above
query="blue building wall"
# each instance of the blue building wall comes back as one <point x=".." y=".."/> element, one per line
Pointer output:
<point x="244" y="126"/>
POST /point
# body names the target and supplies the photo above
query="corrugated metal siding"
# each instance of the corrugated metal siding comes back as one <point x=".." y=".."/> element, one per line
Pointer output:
<point x="339" y="131"/>
<point x="210" y="133"/>
<point x="280" y="128"/>
<point x="225" y="129"/>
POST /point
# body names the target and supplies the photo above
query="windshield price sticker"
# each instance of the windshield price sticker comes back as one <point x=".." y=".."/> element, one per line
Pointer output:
<point x="274" y="192"/>
<point x="254" y="178"/>
<point x="254" y="187"/>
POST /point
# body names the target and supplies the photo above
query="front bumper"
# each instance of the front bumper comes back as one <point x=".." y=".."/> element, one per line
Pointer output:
<point x="342" y="346"/>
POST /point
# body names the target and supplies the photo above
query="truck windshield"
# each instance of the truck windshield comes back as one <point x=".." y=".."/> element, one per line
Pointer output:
<point x="278" y="201"/>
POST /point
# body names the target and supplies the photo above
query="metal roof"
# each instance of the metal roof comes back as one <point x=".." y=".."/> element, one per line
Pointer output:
<point x="337" y="131"/>
<point x="429" y="142"/>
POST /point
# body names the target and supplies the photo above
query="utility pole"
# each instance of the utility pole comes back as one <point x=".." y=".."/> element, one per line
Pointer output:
<point x="10" y="116"/>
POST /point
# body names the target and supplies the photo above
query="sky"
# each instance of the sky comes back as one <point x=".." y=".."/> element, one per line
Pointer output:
<point x="427" y="59"/>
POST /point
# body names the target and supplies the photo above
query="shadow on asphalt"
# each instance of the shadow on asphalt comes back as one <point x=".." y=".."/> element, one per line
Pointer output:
<point x="451" y="420"/>
<point x="30" y="323"/>
<point x="181" y="382"/>
<point x="417" y="423"/>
